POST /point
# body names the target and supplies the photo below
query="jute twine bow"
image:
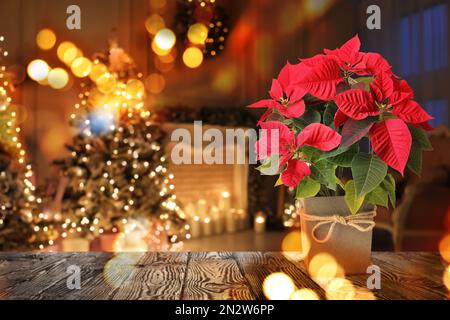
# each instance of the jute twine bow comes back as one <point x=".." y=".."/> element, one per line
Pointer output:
<point x="362" y="221"/>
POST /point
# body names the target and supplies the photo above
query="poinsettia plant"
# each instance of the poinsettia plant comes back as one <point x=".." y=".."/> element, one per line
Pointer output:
<point x="343" y="110"/>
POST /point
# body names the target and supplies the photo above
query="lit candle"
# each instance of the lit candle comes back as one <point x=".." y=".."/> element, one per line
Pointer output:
<point x="241" y="219"/>
<point x="196" y="230"/>
<point x="207" y="227"/>
<point x="230" y="221"/>
<point x="225" y="202"/>
<point x="217" y="219"/>
<point x="202" y="207"/>
<point x="260" y="222"/>
<point x="189" y="210"/>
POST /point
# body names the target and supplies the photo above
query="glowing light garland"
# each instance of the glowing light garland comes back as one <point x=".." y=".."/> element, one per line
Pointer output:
<point x="10" y="140"/>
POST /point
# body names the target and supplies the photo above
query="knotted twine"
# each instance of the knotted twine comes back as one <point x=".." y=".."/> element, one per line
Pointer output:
<point x="362" y="221"/>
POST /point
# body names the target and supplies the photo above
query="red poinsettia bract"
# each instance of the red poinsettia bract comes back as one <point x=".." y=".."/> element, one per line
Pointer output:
<point x="286" y="99"/>
<point x="278" y="139"/>
<point x="391" y="100"/>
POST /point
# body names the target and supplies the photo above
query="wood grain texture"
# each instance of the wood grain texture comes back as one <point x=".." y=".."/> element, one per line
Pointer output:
<point x="199" y="275"/>
<point x="258" y="265"/>
<point x="156" y="276"/>
<point x="215" y="275"/>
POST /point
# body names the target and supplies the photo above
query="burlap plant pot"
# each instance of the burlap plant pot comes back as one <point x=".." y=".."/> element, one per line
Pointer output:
<point x="330" y="228"/>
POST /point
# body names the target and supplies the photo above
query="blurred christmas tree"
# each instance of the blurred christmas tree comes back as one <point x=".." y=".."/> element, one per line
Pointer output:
<point x="117" y="171"/>
<point x="22" y="226"/>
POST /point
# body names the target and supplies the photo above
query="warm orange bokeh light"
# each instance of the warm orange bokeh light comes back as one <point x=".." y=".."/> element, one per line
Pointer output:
<point x="165" y="39"/>
<point x="193" y="57"/>
<point x="155" y="83"/>
<point x="154" y="23"/>
<point x="444" y="248"/>
<point x="67" y="52"/>
<point x="198" y="33"/>
<point x="323" y="268"/>
<point x="46" y="39"/>
<point x="81" y="67"/>
<point x="340" y="289"/>
<point x="304" y="294"/>
<point x="446" y="277"/>
<point x="278" y="286"/>
<point x="58" y="78"/>
<point x="38" y="70"/>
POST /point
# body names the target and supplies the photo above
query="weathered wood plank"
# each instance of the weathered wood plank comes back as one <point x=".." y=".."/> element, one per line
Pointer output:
<point x="156" y="276"/>
<point x="215" y="275"/>
<point x="404" y="276"/>
<point x="93" y="283"/>
<point x="256" y="266"/>
<point x="29" y="275"/>
<point x="410" y="276"/>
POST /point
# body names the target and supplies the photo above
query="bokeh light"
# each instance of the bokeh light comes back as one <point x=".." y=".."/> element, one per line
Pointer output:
<point x="155" y="83"/>
<point x="38" y="70"/>
<point x="193" y="57"/>
<point x="323" y="268"/>
<point x="158" y="4"/>
<point x="165" y="39"/>
<point x="340" y="289"/>
<point x="163" y="66"/>
<point x="46" y="39"/>
<point x="98" y="69"/>
<point x="106" y="83"/>
<point x="446" y="277"/>
<point x="81" y="67"/>
<point x="158" y="50"/>
<point x="135" y="88"/>
<point x="444" y="248"/>
<point x="304" y="294"/>
<point x="58" y="78"/>
<point x="154" y="23"/>
<point x="278" y="286"/>
<point x="119" y="268"/>
<point x="197" y="33"/>
<point x="67" y="52"/>
<point x="101" y="121"/>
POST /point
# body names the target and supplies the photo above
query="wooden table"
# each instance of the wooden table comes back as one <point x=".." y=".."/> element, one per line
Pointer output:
<point x="197" y="275"/>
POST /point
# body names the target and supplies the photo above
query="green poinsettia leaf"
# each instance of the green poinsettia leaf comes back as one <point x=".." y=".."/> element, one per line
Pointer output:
<point x="378" y="196"/>
<point x="415" y="159"/>
<point x="345" y="159"/>
<point x="307" y="188"/>
<point x="368" y="171"/>
<point x="353" y="202"/>
<point x="389" y="185"/>
<point x="299" y="124"/>
<point x="311" y="116"/>
<point x="328" y="114"/>
<point x="311" y="154"/>
<point x="324" y="172"/>
<point x="334" y="153"/>
<point x="420" y="138"/>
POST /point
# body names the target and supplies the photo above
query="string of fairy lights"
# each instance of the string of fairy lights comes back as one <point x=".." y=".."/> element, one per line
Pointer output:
<point x="15" y="146"/>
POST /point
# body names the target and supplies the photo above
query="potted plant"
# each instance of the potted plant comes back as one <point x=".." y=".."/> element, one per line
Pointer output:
<point x="337" y="126"/>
